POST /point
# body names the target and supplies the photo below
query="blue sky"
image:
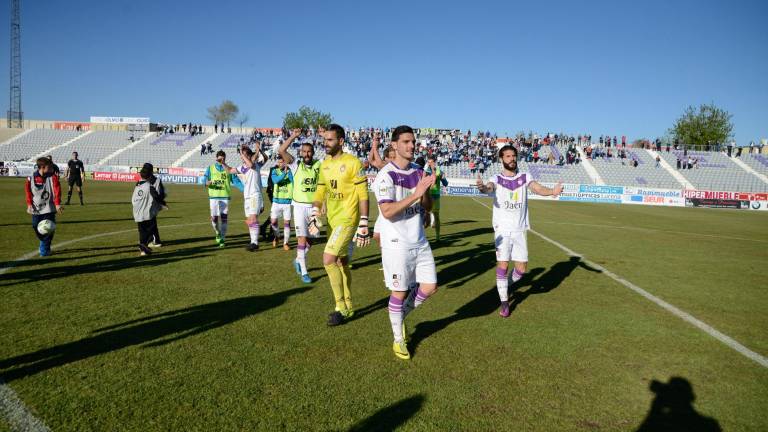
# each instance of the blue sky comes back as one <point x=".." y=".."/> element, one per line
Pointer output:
<point x="606" y="67"/>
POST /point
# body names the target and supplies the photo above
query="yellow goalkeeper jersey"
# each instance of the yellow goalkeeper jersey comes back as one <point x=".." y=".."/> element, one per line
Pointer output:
<point x="342" y="181"/>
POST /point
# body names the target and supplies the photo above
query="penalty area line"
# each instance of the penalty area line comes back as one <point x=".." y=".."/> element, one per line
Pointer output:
<point x="685" y="316"/>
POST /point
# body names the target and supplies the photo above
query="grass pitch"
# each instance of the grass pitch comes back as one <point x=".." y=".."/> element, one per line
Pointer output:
<point x="197" y="338"/>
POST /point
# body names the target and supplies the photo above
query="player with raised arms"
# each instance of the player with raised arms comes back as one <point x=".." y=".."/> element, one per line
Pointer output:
<point x="249" y="173"/>
<point x="305" y="173"/>
<point x="282" y="179"/>
<point x="402" y="193"/>
<point x="510" y="219"/>
<point x="343" y="186"/>
<point x="377" y="162"/>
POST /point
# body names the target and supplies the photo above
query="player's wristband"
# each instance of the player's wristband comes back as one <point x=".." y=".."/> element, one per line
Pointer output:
<point x="363" y="224"/>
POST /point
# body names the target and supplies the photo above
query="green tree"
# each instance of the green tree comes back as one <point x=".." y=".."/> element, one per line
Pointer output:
<point x="707" y="125"/>
<point x="306" y="118"/>
<point x="224" y="112"/>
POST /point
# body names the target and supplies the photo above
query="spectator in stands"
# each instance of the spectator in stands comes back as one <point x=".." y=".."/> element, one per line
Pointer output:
<point x="658" y="161"/>
<point x="731" y="145"/>
<point x="184" y="128"/>
<point x="210" y="147"/>
<point x="202" y="149"/>
<point x="738" y="152"/>
<point x="215" y="128"/>
<point x="634" y="163"/>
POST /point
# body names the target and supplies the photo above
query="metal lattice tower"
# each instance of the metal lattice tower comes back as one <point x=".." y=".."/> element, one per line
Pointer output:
<point x="15" y="115"/>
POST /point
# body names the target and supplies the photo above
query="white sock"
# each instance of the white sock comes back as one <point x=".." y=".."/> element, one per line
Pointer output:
<point x="253" y="230"/>
<point x="502" y="284"/>
<point x="301" y="257"/>
<point x="286" y="232"/>
<point x="396" y="317"/>
<point x="432" y="220"/>
<point x="215" y="224"/>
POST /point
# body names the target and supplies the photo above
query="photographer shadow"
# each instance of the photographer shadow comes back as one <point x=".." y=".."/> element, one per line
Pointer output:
<point x="672" y="409"/>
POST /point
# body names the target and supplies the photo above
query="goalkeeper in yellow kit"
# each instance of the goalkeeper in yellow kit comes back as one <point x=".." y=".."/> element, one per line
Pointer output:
<point x="343" y="186"/>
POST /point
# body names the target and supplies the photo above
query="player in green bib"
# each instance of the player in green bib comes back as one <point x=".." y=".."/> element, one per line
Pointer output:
<point x="305" y="173"/>
<point x="218" y="182"/>
<point x="282" y="193"/>
<point x="435" y="191"/>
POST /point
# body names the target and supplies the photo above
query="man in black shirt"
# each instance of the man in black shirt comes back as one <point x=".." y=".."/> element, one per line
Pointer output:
<point x="75" y="175"/>
<point x="55" y="167"/>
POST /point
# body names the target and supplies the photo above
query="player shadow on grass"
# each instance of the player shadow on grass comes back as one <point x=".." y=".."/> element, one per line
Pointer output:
<point x="546" y="282"/>
<point x="488" y="302"/>
<point x="672" y="409"/>
<point x="152" y="331"/>
<point x="159" y="258"/>
<point x="446" y="240"/>
<point x="391" y="417"/>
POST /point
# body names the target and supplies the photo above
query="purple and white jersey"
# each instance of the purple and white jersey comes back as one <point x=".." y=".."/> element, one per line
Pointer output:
<point x="405" y="230"/>
<point x="251" y="178"/>
<point x="510" y="202"/>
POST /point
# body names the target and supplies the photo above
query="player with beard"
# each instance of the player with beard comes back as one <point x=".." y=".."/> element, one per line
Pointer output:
<point x="343" y="187"/>
<point x="305" y="173"/>
<point x="510" y="219"/>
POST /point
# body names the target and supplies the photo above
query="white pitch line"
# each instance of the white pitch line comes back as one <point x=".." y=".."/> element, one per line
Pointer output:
<point x="16" y="413"/>
<point x="685" y="316"/>
<point x="12" y="407"/>
<point x="30" y="255"/>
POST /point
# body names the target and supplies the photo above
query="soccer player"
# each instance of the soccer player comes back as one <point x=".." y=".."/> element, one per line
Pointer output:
<point x="43" y="195"/>
<point x="305" y="173"/>
<point x="147" y="202"/>
<point x="402" y="192"/>
<point x="282" y="178"/>
<point x="510" y="219"/>
<point x="377" y="162"/>
<point x="250" y="171"/>
<point x="343" y="187"/>
<point x="435" y="191"/>
<point x="75" y="175"/>
<point x="218" y="181"/>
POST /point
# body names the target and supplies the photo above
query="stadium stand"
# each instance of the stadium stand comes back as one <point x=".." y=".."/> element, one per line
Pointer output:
<point x="616" y="171"/>
<point x="161" y="151"/>
<point x="94" y="147"/>
<point x="715" y="171"/>
<point x="35" y="142"/>
<point x="6" y="134"/>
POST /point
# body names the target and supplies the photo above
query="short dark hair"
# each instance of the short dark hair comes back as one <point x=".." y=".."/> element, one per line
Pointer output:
<point x="507" y="147"/>
<point x="336" y="129"/>
<point x="308" y="144"/>
<point x="43" y="162"/>
<point x="220" y="153"/>
<point x="401" y="130"/>
<point x="431" y="158"/>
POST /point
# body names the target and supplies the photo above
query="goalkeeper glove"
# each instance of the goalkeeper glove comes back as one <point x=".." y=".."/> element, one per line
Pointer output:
<point x="314" y="222"/>
<point x="361" y="237"/>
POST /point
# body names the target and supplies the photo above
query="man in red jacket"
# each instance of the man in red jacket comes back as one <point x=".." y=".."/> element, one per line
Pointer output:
<point x="43" y="193"/>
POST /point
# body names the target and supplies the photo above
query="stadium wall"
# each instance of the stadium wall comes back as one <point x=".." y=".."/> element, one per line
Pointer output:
<point x="466" y="187"/>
